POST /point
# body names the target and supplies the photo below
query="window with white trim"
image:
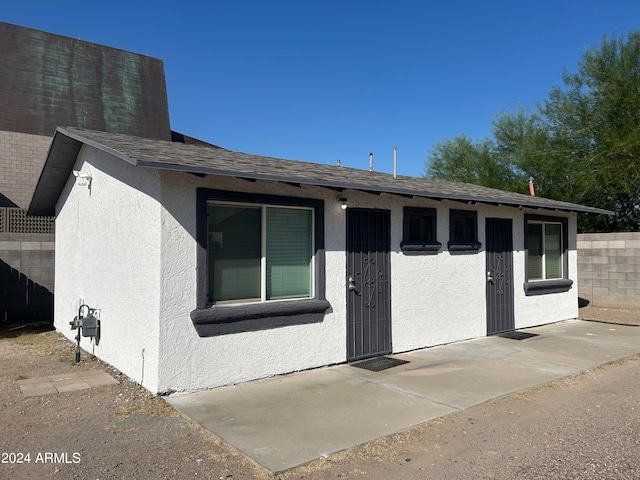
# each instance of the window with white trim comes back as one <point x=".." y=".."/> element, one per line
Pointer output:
<point x="545" y="251"/>
<point x="546" y="244"/>
<point x="259" y="253"/>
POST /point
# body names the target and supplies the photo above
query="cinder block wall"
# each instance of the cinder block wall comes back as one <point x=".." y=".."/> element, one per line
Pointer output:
<point x="26" y="277"/>
<point x="609" y="269"/>
<point x="21" y="159"/>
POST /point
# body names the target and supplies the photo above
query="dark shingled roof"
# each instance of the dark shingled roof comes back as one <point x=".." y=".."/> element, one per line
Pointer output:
<point x="201" y="159"/>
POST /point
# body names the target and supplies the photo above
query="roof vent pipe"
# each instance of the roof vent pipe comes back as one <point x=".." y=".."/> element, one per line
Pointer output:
<point x="370" y="162"/>
<point x="395" y="162"/>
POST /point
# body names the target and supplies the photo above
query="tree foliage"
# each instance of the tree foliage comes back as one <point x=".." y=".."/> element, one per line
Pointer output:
<point x="581" y="145"/>
<point x="465" y="160"/>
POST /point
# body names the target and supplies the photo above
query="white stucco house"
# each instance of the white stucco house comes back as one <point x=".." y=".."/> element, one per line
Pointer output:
<point x="209" y="267"/>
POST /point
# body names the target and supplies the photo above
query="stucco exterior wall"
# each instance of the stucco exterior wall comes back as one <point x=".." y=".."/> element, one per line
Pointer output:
<point x="435" y="299"/>
<point x="189" y="362"/>
<point x="108" y="256"/>
<point x="541" y="309"/>
<point x="441" y="298"/>
<point x="127" y="246"/>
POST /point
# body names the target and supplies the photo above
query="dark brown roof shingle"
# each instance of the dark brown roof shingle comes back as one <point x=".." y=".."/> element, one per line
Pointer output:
<point x="202" y="159"/>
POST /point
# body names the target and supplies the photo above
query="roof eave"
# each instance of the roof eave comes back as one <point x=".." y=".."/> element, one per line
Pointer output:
<point x="54" y="174"/>
<point x="355" y="186"/>
<point x="61" y="157"/>
<point x="66" y="145"/>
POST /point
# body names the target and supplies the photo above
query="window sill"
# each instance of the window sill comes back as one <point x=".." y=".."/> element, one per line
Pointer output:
<point x="227" y="319"/>
<point x="544" y="287"/>
<point x="418" y="248"/>
<point x="461" y="247"/>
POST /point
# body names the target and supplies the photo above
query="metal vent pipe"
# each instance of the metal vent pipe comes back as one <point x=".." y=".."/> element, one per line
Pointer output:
<point x="395" y="162"/>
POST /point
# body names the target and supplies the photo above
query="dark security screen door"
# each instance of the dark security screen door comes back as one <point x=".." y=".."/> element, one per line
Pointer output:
<point x="368" y="283"/>
<point x="500" y="316"/>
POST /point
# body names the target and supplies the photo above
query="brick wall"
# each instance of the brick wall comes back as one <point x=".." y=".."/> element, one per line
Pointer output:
<point x="609" y="269"/>
<point x="26" y="277"/>
<point x="21" y="158"/>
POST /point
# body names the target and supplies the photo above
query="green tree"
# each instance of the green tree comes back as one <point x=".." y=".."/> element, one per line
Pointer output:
<point x="582" y="144"/>
<point x="464" y="160"/>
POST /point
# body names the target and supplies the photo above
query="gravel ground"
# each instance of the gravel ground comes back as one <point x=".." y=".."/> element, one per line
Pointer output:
<point x="581" y="427"/>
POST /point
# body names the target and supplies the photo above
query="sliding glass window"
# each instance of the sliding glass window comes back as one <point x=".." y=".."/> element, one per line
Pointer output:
<point x="259" y="253"/>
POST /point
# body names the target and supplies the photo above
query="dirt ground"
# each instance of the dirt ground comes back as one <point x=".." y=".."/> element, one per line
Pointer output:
<point x="581" y="427"/>
<point x="612" y="315"/>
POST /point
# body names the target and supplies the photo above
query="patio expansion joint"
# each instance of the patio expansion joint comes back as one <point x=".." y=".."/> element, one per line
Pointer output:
<point x="409" y="393"/>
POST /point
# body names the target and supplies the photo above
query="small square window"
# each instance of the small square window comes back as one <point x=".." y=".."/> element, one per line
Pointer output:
<point x="419" y="230"/>
<point x="463" y="231"/>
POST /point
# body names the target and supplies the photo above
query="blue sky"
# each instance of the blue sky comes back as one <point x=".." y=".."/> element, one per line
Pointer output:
<point x="326" y="80"/>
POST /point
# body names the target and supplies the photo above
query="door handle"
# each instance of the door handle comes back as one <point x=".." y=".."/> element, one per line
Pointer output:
<point x="352" y="283"/>
<point x="489" y="277"/>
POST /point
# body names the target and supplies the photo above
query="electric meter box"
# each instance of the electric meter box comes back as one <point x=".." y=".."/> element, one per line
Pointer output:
<point x="90" y="326"/>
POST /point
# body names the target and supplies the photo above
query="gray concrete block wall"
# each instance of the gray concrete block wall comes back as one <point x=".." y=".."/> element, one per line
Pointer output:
<point x="22" y="156"/>
<point x="31" y="254"/>
<point x="26" y="278"/>
<point x="609" y="269"/>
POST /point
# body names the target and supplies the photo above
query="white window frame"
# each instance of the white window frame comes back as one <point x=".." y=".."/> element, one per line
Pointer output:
<point x="547" y="286"/>
<point x="263" y="253"/>
<point x="544" y="251"/>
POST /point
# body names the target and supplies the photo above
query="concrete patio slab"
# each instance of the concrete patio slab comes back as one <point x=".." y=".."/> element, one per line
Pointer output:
<point x="325" y="403"/>
<point x="461" y="385"/>
<point x="290" y="420"/>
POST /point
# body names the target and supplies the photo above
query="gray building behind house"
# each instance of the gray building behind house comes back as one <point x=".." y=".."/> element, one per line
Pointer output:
<point x="48" y="80"/>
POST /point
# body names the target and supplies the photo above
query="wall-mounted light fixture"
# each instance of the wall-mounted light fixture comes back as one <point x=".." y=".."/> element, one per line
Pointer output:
<point x="343" y="202"/>
<point x="84" y="178"/>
